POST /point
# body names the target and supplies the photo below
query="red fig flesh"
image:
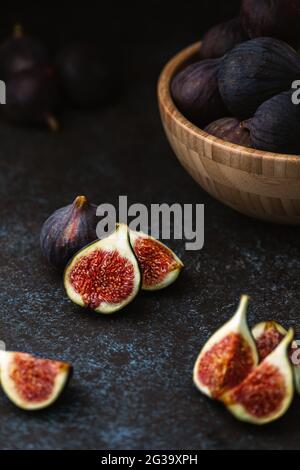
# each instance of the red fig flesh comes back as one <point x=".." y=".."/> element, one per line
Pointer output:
<point x="32" y="383"/>
<point x="267" y="392"/>
<point x="104" y="276"/>
<point x="228" y="357"/>
<point x="160" y="267"/>
<point x="267" y="336"/>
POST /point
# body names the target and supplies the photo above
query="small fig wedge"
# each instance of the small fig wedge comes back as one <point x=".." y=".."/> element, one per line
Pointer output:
<point x="32" y="383"/>
<point x="160" y="267"/>
<point x="104" y="276"/>
<point x="68" y="230"/>
<point x="267" y="392"/>
<point x="228" y="356"/>
<point x="267" y="336"/>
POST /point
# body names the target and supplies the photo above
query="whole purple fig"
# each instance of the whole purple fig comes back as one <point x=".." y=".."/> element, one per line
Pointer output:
<point x="20" y="53"/>
<point x="273" y="18"/>
<point x="231" y="130"/>
<point x="221" y="38"/>
<point x="254" y="71"/>
<point x="275" y="127"/>
<point x="68" y="230"/>
<point x="196" y="93"/>
<point x="32" y="97"/>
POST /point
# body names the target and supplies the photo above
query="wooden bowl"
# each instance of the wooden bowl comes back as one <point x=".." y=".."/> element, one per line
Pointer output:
<point x="259" y="184"/>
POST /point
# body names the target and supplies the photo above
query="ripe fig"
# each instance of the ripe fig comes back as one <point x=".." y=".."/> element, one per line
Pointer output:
<point x="275" y="127"/>
<point x="255" y="71"/>
<point x="104" y="276"/>
<point x="85" y="77"/>
<point x="32" y="383"/>
<point x="32" y="97"/>
<point x="267" y="336"/>
<point x="228" y="356"/>
<point x="274" y="18"/>
<point x="160" y="267"/>
<point x="196" y="93"/>
<point x="68" y="230"/>
<point x="231" y="130"/>
<point x="20" y="53"/>
<point x="267" y="392"/>
<point x="221" y="38"/>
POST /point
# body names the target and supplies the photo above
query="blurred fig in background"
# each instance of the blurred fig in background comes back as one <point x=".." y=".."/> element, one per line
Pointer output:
<point x="32" y="97"/>
<point x="273" y="18"/>
<point x="84" y="76"/>
<point x="20" y="53"/>
<point x="231" y="130"/>
<point x="221" y="38"/>
<point x="196" y="93"/>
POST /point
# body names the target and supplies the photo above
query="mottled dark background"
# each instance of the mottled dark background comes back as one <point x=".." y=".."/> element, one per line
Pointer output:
<point x="132" y="387"/>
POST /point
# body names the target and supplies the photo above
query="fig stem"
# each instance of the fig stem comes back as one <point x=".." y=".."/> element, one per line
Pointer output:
<point x="18" y="30"/>
<point x="52" y="122"/>
<point x="80" y="201"/>
<point x="241" y="312"/>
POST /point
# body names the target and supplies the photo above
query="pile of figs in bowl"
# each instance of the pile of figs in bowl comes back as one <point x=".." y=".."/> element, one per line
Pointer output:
<point x="230" y="109"/>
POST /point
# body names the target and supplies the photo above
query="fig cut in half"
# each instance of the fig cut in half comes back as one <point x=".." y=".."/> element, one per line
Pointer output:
<point x="32" y="383"/>
<point x="104" y="276"/>
<point x="160" y="267"/>
<point x="228" y="356"/>
<point x="267" y="392"/>
<point x="267" y="336"/>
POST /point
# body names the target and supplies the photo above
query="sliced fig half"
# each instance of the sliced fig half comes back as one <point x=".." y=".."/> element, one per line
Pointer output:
<point x="32" y="383"/>
<point x="160" y="267"/>
<point x="227" y="357"/>
<point x="104" y="276"/>
<point x="267" y="336"/>
<point x="267" y="392"/>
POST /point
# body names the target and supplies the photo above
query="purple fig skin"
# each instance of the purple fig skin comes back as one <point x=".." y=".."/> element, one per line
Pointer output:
<point x="20" y="53"/>
<point x="32" y="97"/>
<point x="221" y="38"/>
<point x="68" y="230"/>
<point x="275" y="127"/>
<point x="273" y="18"/>
<point x="196" y="93"/>
<point x="230" y="130"/>
<point x="254" y="71"/>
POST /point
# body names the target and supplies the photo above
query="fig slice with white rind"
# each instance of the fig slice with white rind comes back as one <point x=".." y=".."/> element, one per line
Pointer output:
<point x="32" y="383"/>
<point x="227" y="357"/>
<point x="267" y="336"/>
<point x="159" y="265"/>
<point x="267" y="392"/>
<point x="104" y="276"/>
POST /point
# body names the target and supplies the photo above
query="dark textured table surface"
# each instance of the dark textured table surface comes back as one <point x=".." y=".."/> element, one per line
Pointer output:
<point x="132" y="387"/>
